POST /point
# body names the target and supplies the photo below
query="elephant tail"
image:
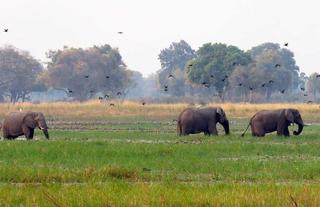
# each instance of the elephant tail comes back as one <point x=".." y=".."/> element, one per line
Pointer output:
<point x="246" y="129"/>
<point x="242" y="135"/>
<point x="179" y="129"/>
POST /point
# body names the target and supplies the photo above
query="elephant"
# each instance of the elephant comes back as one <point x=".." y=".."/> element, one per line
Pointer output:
<point x="267" y="121"/>
<point x="17" y="124"/>
<point x="193" y="120"/>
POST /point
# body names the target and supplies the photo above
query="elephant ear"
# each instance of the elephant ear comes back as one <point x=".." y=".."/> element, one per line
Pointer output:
<point x="220" y="111"/>
<point x="29" y="120"/>
<point x="289" y="115"/>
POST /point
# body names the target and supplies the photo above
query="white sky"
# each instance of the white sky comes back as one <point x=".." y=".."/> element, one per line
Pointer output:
<point x="149" y="26"/>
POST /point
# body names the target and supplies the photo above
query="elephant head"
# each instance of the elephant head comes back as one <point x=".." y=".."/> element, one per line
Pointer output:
<point x="222" y="119"/>
<point x="36" y="119"/>
<point x="293" y="116"/>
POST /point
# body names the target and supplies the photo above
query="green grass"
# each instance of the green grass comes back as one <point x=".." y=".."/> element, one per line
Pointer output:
<point x="147" y="164"/>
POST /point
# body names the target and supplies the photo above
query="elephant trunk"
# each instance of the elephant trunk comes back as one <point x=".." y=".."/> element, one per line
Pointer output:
<point x="300" y="128"/>
<point x="225" y="125"/>
<point x="46" y="133"/>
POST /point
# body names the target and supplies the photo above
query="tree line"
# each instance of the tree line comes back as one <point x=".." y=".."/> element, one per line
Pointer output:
<point x="216" y="71"/>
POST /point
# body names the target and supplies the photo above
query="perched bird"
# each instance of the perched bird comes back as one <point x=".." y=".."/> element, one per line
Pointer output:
<point x="166" y="86"/>
<point x="271" y="81"/>
<point x="317" y="76"/>
<point x="302" y="88"/>
<point x="234" y="64"/>
<point x="70" y="91"/>
<point x="106" y="96"/>
<point x="286" y="44"/>
<point x="170" y="76"/>
<point x="240" y="84"/>
<point x="263" y="85"/>
<point x="251" y="88"/>
<point x="211" y="76"/>
<point x="143" y="103"/>
<point x="309" y="102"/>
<point x="282" y="91"/>
<point x="107" y="77"/>
<point x="165" y="89"/>
<point x="87" y="76"/>
<point x="204" y="83"/>
<point x="5" y="30"/>
<point x="92" y="91"/>
<point x="277" y="65"/>
<point x="111" y="104"/>
<point x="305" y="94"/>
<point x="119" y="94"/>
<point x="190" y="65"/>
<point x="100" y="98"/>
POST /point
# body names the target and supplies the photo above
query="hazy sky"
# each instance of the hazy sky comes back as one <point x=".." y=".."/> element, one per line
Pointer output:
<point x="149" y="26"/>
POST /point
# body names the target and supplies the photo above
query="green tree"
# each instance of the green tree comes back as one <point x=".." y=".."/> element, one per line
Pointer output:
<point x="313" y="85"/>
<point x="214" y="64"/>
<point x="21" y="71"/>
<point x="82" y="73"/>
<point x="173" y="61"/>
<point x="269" y="63"/>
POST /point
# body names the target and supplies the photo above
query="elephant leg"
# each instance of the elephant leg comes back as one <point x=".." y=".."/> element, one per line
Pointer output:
<point x="184" y="131"/>
<point x="28" y="133"/>
<point x="257" y="130"/>
<point x="212" y="129"/>
<point x="286" y="132"/>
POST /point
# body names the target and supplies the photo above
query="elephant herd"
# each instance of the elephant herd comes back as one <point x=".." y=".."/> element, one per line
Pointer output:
<point x="190" y="121"/>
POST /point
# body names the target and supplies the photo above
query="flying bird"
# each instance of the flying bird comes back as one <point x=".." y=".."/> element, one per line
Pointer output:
<point x="5" y="30"/>
<point x="106" y="96"/>
<point x="119" y="94"/>
<point x="286" y="44"/>
<point x="120" y="32"/>
<point x="225" y="77"/>
<point x="277" y="65"/>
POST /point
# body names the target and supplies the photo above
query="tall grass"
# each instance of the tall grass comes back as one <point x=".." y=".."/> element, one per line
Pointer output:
<point x="153" y="111"/>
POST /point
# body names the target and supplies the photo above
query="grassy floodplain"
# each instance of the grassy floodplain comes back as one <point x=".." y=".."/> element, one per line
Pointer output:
<point x="130" y="155"/>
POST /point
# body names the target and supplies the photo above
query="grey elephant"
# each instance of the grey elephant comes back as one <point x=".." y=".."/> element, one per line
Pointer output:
<point x="267" y="121"/>
<point x="192" y="121"/>
<point x="17" y="124"/>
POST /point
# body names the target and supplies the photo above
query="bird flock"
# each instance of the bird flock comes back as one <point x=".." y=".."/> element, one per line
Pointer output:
<point x="204" y="83"/>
